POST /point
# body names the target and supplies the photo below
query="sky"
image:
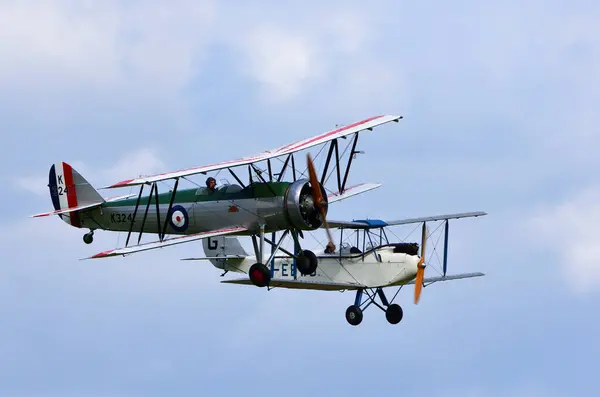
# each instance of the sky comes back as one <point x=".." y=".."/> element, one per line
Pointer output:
<point x="499" y="116"/>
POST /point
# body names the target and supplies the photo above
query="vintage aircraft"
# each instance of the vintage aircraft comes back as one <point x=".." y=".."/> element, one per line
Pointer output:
<point x="254" y="209"/>
<point x="379" y="264"/>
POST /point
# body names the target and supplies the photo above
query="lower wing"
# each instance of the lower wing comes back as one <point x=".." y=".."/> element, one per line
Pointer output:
<point x="341" y="286"/>
<point x="431" y="280"/>
<point x="168" y="242"/>
<point x="302" y="284"/>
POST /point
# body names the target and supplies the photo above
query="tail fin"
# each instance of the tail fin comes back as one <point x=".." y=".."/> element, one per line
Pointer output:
<point x="221" y="248"/>
<point x="70" y="193"/>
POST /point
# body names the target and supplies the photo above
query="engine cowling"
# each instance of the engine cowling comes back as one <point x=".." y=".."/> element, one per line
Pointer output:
<point x="300" y="209"/>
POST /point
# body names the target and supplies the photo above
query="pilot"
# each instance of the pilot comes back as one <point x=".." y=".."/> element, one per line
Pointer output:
<point x="211" y="184"/>
<point x="330" y="249"/>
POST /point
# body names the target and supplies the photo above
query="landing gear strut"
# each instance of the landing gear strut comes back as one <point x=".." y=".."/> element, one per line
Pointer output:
<point x="354" y="313"/>
<point x="260" y="274"/>
<point x="88" y="237"/>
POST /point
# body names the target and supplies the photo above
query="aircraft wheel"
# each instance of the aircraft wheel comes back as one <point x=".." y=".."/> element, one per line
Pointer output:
<point x="354" y="315"/>
<point x="259" y="275"/>
<point x="307" y="263"/>
<point x="394" y="313"/>
<point x="88" y="238"/>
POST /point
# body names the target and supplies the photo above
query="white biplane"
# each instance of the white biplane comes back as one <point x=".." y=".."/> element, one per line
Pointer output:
<point x="379" y="264"/>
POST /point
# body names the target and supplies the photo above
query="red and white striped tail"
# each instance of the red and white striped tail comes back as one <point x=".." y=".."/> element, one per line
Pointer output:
<point x="69" y="190"/>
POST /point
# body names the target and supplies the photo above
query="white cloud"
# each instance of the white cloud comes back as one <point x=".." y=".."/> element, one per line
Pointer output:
<point x="281" y="60"/>
<point x="570" y="230"/>
<point x="348" y="29"/>
<point x="33" y="184"/>
<point x="101" y="45"/>
<point x="310" y="51"/>
<point x="143" y="161"/>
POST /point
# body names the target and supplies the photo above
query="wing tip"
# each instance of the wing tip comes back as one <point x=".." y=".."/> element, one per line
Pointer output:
<point x="40" y="215"/>
<point x="124" y="183"/>
<point x="103" y="254"/>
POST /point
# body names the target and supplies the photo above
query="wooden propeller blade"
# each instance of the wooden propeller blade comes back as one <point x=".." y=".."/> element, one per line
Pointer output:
<point x="317" y="194"/>
<point x="420" y="266"/>
<point x="314" y="182"/>
<point x="419" y="282"/>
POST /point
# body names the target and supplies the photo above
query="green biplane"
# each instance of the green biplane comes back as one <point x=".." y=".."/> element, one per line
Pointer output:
<point x="265" y="204"/>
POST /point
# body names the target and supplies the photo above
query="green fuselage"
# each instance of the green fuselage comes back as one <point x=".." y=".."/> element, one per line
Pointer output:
<point x="196" y="210"/>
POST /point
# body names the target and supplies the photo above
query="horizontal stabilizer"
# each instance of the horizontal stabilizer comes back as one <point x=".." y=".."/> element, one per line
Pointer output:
<point x="448" y="278"/>
<point x="168" y="242"/>
<point x="84" y="207"/>
<point x="301" y="284"/>
<point x="214" y="257"/>
<point x="352" y="191"/>
<point x="122" y="197"/>
<point x="68" y="210"/>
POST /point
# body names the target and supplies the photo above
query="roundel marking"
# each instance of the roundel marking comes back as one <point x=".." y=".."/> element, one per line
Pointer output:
<point x="178" y="219"/>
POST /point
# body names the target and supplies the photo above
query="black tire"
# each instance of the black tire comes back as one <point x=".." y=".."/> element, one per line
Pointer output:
<point x="88" y="238"/>
<point x="259" y="275"/>
<point x="394" y="314"/>
<point x="307" y="263"/>
<point x="354" y="315"/>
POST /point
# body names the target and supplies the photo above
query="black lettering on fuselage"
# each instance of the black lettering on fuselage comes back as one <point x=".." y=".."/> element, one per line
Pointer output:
<point x="121" y="218"/>
<point x="212" y="244"/>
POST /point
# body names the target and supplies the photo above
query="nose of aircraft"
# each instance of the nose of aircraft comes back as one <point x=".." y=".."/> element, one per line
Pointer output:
<point x="414" y="265"/>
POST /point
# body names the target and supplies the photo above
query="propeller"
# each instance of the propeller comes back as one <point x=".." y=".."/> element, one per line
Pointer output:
<point x="421" y="266"/>
<point x="317" y="195"/>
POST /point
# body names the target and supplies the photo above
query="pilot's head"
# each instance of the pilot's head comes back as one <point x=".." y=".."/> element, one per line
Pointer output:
<point x="211" y="183"/>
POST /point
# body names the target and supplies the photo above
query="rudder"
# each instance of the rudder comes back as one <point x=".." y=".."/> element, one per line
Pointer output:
<point x="222" y="246"/>
<point x="68" y="189"/>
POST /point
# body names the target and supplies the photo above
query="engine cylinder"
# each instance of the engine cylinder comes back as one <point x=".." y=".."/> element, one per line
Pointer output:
<point x="300" y="209"/>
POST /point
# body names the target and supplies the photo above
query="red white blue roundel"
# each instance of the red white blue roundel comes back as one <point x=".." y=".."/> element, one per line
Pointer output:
<point x="178" y="218"/>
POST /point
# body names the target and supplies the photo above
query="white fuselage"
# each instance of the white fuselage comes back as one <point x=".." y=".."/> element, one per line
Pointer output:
<point x="391" y="268"/>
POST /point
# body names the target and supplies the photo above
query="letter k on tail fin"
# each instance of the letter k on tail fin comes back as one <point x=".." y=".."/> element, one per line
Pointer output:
<point x="70" y="193"/>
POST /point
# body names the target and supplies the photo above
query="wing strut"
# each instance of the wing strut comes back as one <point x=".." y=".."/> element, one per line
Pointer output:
<point x="137" y="205"/>
<point x="236" y="177"/>
<point x="161" y="231"/>
<point x="158" y="212"/>
<point x="445" y="266"/>
<point x="328" y="160"/>
<point x="164" y="228"/>
<point x="146" y="212"/>
<point x="352" y="153"/>
<point x="284" y="167"/>
<point x="293" y="168"/>
<point x="337" y="168"/>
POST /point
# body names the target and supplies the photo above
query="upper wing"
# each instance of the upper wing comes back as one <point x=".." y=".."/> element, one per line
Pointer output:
<point x="302" y="284"/>
<point x="352" y="191"/>
<point x="437" y="218"/>
<point x="168" y="242"/>
<point x="369" y="124"/>
<point x="376" y="223"/>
